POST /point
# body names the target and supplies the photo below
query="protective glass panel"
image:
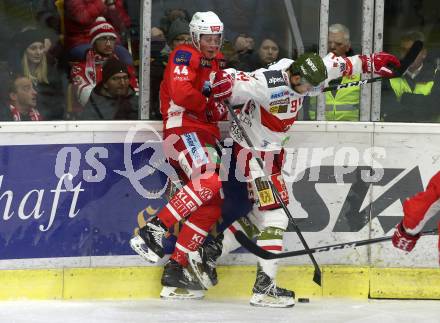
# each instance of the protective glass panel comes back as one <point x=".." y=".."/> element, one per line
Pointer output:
<point x="344" y="39"/>
<point x="414" y="96"/>
<point x="257" y="32"/>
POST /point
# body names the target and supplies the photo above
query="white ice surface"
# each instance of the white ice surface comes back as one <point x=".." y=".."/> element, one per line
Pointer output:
<point x="318" y="310"/>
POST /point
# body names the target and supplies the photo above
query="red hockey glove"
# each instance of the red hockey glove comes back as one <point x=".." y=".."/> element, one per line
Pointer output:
<point x="216" y="111"/>
<point x="221" y="88"/>
<point x="403" y="240"/>
<point x="379" y="63"/>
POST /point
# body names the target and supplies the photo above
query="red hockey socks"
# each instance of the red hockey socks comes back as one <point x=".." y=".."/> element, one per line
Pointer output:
<point x="189" y="198"/>
<point x="194" y="232"/>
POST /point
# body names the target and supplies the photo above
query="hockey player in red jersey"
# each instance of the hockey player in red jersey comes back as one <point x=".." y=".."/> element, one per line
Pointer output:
<point x="191" y="136"/>
<point x="271" y="99"/>
<point x="418" y="210"/>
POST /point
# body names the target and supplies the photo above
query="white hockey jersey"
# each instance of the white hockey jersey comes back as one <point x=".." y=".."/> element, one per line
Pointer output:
<point x="270" y="106"/>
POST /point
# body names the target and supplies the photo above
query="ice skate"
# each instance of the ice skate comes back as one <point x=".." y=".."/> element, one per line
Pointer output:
<point x="176" y="276"/>
<point x="180" y="293"/>
<point x="203" y="261"/>
<point x="148" y="242"/>
<point x="267" y="294"/>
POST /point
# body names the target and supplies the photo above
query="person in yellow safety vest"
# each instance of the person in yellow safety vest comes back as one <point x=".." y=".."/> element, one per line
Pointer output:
<point x="341" y="105"/>
<point x="414" y="97"/>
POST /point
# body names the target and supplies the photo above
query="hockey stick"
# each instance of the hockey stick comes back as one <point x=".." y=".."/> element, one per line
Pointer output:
<point x="317" y="274"/>
<point x="404" y="64"/>
<point x="259" y="252"/>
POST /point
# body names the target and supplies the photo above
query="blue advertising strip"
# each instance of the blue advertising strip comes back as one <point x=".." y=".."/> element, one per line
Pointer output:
<point x="81" y="199"/>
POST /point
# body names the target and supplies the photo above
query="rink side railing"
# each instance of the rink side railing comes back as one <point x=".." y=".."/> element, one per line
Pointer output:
<point x="72" y="194"/>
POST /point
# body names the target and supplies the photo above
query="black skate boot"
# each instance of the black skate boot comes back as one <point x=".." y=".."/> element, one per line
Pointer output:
<point x="148" y="242"/>
<point x="180" y="282"/>
<point x="203" y="261"/>
<point x="266" y="293"/>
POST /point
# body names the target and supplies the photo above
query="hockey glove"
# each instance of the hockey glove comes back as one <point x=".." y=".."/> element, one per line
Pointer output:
<point x="403" y="240"/>
<point x="221" y="88"/>
<point x="380" y="64"/>
<point x="216" y="111"/>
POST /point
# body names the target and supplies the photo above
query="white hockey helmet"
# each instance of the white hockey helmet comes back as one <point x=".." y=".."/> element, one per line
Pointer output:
<point x="205" y="23"/>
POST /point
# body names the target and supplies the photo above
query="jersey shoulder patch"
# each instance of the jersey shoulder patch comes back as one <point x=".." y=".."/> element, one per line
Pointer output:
<point x="274" y="78"/>
<point x="182" y="57"/>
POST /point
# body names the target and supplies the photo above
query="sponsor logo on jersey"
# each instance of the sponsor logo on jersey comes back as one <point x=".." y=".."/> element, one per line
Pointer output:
<point x="279" y="109"/>
<point x="180" y="78"/>
<point x="274" y="78"/>
<point x="182" y="202"/>
<point x="279" y="94"/>
<point x="279" y="102"/>
<point x="195" y="149"/>
<point x="204" y="62"/>
<point x="216" y="29"/>
<point x="205" y="194"/>
<point x="174" y="114"/>
<point x="249" y="108"/>
<point x="182" y="57"/>
<point x="198" y="238"/>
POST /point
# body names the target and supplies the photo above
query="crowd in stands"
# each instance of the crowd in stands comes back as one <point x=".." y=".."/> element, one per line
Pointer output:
<point x="69" y="60"/>
<point x="62" y="47"/>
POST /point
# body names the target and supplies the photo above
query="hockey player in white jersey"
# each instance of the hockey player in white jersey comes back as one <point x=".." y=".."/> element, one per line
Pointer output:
<point x="270" y="100"/>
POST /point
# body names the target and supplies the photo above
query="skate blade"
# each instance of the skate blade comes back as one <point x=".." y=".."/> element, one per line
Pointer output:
<point x="262" y="300"/>
<point x="138" y="246"/>
<point x="171" y="293"/>
<point x="195" y="262"/>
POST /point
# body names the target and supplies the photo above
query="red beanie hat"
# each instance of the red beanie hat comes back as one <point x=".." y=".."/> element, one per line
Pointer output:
<point x="101" y="28"/>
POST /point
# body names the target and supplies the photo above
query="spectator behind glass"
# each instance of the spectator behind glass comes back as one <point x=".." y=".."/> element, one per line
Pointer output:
<point x="79" y="19"/>
<point x="414" y="97"/>
<point x="244" y="48"/>
<point x="29" y="58"/>
<point x="178" y="34"/>
<point x="268" y="52"/>
<point x="341" y="105"/>
<point x="22" y="101"/>
<point x="339" y="40"/>
<point x="86" y="74"/>
<point x="113" y="98"/>
<point x="18" y="15"/>
<point x="171" y="15"/>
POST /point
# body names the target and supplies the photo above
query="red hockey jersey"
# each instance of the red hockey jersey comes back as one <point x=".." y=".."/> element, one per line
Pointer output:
<point x="420" y="208"/>
<point x="182" y="102"/>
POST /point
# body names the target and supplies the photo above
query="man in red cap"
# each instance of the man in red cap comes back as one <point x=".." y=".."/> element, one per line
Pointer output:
<point x="86" y="74"/>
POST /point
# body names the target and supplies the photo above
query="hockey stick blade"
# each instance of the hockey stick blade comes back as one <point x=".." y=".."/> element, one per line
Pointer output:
<point x="404" y="64"/>
<point x="264" y="254"/>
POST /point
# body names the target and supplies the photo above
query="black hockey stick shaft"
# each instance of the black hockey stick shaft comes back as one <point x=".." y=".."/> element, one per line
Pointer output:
<point x="256" y="250"/>
<point x="404" y="64"/>
<point x="317" y="274"/>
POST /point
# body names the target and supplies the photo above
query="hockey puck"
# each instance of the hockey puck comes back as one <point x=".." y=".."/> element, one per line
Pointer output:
<point x="303" y="300"/>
